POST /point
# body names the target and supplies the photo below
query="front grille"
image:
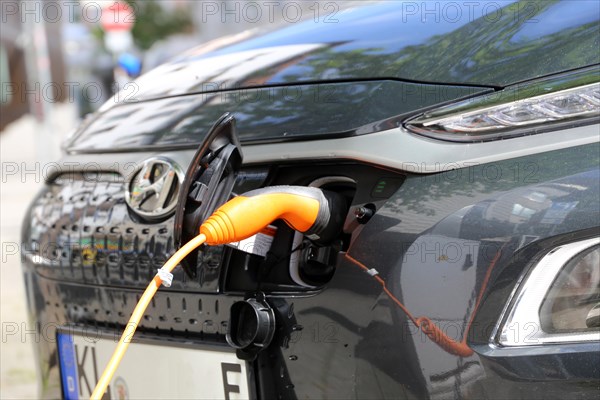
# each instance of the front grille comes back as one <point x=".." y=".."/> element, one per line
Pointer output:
<point x="79" y="229"/>
<point x="110" y="309"/>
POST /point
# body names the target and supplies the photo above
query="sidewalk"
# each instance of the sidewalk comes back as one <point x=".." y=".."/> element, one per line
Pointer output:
<point x="21" y="147"/>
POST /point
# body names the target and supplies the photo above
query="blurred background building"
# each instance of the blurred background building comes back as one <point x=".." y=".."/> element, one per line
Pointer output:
<point x="55" y="52"/>
<point x="57" y="64"/>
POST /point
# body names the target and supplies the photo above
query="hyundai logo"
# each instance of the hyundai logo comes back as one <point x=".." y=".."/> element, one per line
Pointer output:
<point x="153" y="190"/>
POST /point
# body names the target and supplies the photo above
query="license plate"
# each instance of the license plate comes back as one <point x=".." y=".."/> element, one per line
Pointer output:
<point x="151" y="370"/>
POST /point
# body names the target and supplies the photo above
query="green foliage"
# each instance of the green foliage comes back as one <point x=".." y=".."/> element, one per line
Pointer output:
<point x="153" y="23"/>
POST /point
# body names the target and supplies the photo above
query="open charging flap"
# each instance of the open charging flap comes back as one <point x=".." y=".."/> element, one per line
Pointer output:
<point x="207" y="185"/>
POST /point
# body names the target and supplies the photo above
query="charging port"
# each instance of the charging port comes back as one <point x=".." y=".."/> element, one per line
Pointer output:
<point x="315" y="265"/>
<point x="291" y="262"/>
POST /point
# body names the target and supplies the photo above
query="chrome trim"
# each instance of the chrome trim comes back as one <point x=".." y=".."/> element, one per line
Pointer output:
<point x="140" y="188"/>
<point x="395" y="148"/>
<point x="522" y="326"/>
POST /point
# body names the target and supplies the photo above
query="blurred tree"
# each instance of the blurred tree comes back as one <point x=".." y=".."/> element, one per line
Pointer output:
<point x="153" y="23"/>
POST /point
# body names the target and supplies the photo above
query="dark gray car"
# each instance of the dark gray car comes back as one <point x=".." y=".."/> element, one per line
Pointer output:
<point x="465" y="144"/>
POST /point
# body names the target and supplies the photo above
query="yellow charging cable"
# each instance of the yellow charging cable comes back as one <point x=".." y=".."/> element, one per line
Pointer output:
<point x="305" y="209"/>
<point x="138" y="313"/>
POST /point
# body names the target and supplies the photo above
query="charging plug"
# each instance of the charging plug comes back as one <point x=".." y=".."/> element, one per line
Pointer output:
<point x="317" y="213"/>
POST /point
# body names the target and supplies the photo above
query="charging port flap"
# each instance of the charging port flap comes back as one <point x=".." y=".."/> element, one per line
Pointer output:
<point x="208" y="184"/>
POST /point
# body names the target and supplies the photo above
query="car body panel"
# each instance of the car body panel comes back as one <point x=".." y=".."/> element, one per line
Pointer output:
<point x="453" y="235"/>
<point x="349" y="340"/>
<point x="389" y="40"/>
<point x="301" y="112"/>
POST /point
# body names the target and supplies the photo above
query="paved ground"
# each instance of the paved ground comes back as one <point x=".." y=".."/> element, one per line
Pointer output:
<point x="24" y="147"/>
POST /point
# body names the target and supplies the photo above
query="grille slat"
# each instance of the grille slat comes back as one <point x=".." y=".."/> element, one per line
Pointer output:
<point x="98" y="242"/>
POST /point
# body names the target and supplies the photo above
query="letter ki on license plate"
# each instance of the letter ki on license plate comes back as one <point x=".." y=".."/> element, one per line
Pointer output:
<point x="151" y="369"/>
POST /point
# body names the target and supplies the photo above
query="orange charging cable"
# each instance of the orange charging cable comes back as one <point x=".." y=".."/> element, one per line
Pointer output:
<point x="425" y="324"/>
<point x="138" y="313"/>
<point x="305" y="209"/>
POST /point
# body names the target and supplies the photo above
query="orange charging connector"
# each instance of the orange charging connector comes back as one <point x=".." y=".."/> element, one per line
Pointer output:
<point x="302" y="208"/>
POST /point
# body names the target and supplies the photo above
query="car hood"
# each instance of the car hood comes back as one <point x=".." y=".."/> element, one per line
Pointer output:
<point x="490" y="44"/>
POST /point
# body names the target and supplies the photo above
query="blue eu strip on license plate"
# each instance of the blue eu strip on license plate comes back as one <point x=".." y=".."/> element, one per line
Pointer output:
<point x="68" y="366"/>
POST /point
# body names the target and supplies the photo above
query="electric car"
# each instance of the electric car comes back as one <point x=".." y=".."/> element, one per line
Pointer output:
<point x="461" y="146"/>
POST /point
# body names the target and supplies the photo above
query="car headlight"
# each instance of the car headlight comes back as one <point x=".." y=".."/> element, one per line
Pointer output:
<point x="522" y="109"/>
<point x="559" y="300"/>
